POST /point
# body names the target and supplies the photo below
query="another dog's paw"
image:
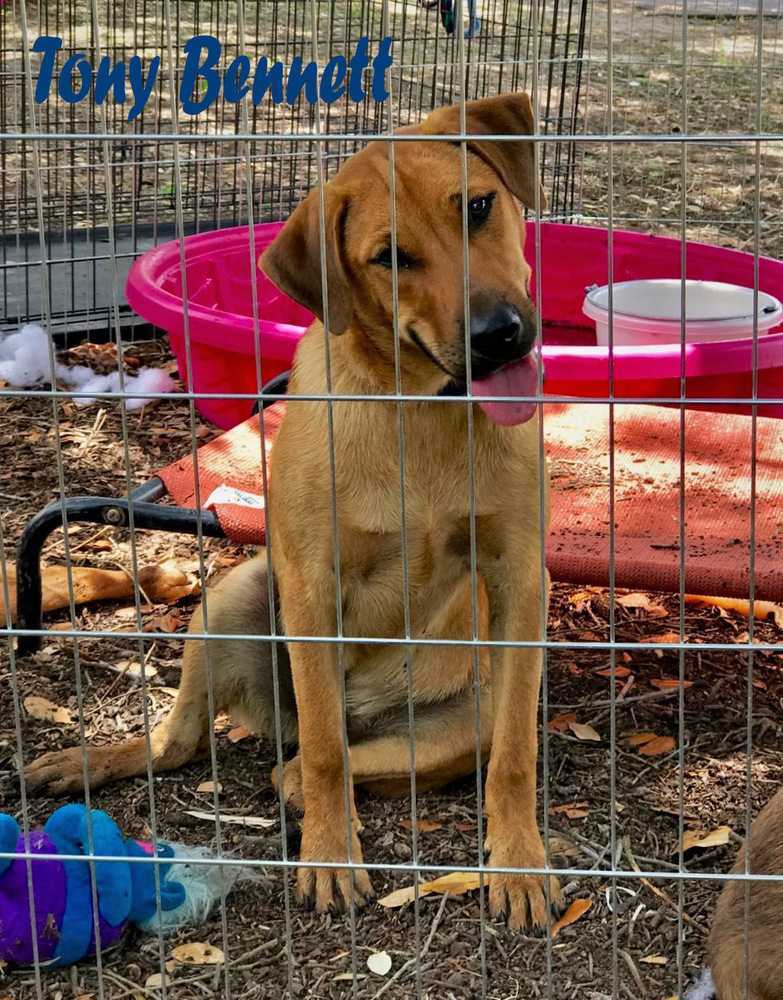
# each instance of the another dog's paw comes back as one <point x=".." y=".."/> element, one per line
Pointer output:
<point x="331" y="890"/>
<point x="525" y="901"/>
<point x="58" y="773"/>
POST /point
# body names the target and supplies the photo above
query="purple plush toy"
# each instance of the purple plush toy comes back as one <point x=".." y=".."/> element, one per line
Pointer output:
<point x="62" y="890"/>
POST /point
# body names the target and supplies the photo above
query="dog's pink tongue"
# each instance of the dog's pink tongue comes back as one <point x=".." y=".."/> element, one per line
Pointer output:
<point x="517" y="379"/>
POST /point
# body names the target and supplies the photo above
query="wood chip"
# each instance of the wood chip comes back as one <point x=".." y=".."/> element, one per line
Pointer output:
<point x="209" y="787"/>
<point x="573" y="810"/>
<point x="422" y="825"/>
<point x="702" y="839"/>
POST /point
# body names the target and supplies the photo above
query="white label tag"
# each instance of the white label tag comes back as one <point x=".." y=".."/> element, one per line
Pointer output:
<point x="229" y="494"/>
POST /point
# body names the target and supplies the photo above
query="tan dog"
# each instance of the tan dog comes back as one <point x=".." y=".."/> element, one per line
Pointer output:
<point x="761" y="924"/>
<point x="510" y="591"/>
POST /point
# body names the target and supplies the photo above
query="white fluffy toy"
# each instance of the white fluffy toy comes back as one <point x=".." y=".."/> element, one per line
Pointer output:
<point x="25" y="361"/>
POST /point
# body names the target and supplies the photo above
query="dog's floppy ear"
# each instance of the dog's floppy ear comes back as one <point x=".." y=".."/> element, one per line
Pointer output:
<point x="293" y="260"/>
<point x="506" y="114"/>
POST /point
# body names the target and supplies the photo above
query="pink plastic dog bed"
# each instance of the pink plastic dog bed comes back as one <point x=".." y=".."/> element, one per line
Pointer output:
<point x="220" y="272"/>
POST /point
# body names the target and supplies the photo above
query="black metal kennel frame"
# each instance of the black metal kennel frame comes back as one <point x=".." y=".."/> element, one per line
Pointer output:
<point x="82" y="196"/>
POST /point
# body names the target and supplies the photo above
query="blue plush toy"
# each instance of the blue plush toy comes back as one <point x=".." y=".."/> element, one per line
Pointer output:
<point x="62" y="890"/>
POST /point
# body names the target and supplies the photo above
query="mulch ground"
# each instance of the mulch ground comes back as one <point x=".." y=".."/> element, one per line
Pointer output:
<point x="626" y="944"/>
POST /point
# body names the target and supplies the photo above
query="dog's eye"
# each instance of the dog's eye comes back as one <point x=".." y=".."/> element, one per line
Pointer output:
<point x="384" y="258"/>
<point x="479" y="209"/>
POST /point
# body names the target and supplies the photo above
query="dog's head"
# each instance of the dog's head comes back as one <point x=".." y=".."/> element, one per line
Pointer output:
<point x="355" y="230"/>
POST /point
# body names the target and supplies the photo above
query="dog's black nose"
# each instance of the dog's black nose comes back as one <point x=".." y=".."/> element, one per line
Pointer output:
<point x="498" y="334"/>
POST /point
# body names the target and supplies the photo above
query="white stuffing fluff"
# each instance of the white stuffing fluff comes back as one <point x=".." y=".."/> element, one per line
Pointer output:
<point x="25" y="361"/>
<point x="204" y="887"/>
<point x="703" y="988"/>
<point x="24" y="357"/>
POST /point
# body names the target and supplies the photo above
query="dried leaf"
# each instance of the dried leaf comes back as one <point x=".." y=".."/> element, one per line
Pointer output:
<point x="654" y="960"/>
<point x="198" y="953"/>
<point x="643" y="602"/>
<point x="669" y="683"/>
<point x="209" y="786"/>
<point x="761" y="609"/>
<point x="156" y="981"/>
<point x="47" y="711"/>
<point x="465" y="826"/>
<point x="347" y="977"/>
<point x="563" y="847"/>
<point x="399" y="897"/>
<point x="664" y="638"/>
<point x="132" y="669"/>
<point x="620" y="672"/>
<point x="227" y="820"/>
<point x="584" y="732"/>
<point x="455" y="883"/>
<point x="169" y="622"/>
<point x="422" y="825"/>
<point x="238" y="733"/>
<point x="561" y="722"/>
<point x="380" y="963"/>
<point x="661" y="744"/>
<point x="575" y="911"/>
<point x="639" y="739"/>
<point x="699" y="838"/>
<point x="579" y="598"/>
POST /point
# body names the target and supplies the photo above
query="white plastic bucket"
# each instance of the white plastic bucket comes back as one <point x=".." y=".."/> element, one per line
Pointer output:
<point x="650" y="311"/>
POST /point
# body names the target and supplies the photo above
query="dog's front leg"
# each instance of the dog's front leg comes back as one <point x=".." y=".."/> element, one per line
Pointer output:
<point x="513" y="838"/>
<point x="327" y="833"/>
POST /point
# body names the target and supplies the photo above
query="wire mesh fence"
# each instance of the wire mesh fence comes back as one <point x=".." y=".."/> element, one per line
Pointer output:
<point x="659" y="728"/>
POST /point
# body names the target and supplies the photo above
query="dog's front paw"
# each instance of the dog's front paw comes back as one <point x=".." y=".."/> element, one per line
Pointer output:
<point x="523" y="900"/>
<point x="331" y="889"/>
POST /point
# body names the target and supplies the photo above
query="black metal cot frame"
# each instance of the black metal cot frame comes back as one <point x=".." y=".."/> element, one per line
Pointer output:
<point x="148" y="514"/>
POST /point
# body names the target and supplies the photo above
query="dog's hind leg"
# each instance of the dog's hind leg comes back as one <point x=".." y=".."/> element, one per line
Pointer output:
<point x="241" y="673"/>
<point x="444" y="736"/>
